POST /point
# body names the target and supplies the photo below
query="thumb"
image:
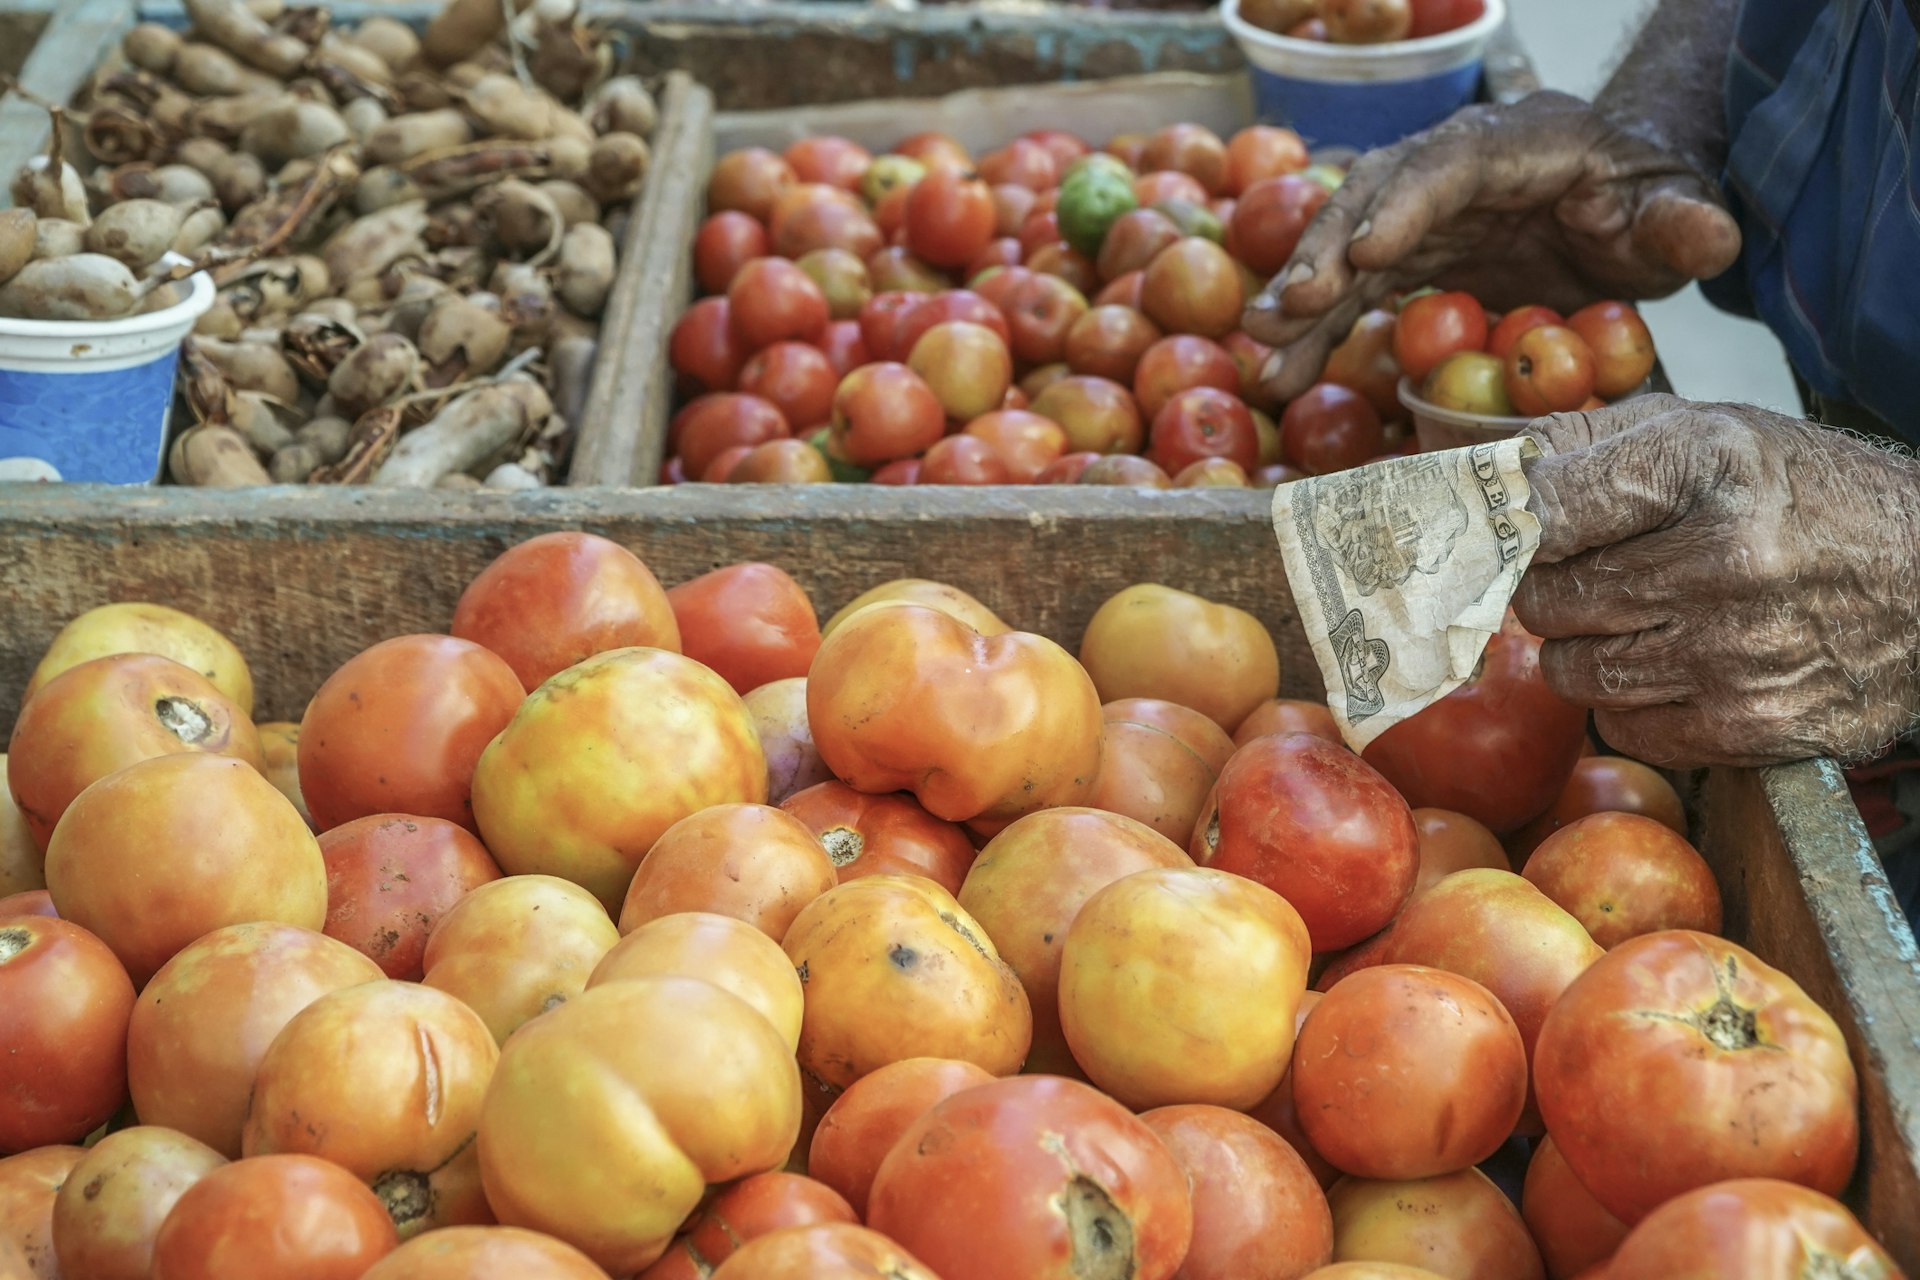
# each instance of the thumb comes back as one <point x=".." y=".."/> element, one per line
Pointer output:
<point x="1690" y="232"/>
<point x="1610" y="474"/>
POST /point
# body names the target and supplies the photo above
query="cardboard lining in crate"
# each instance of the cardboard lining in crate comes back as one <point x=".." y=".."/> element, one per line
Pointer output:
<point x="302" y="580"/>
<point x="71" y="46"/>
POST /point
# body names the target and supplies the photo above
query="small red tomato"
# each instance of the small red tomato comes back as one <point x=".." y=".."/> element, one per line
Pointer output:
<point x="1026" y="442"/>
<point x="1067" y="468"/>
<point x="65" y="1001"/>
<point x="1108" y="342"/>
<point x="948" y="305"/>
<point x="883" y="321"/>
<point x="837" y="162"/>
<point x="1269" y="217"/>
<point x="797" y="378"/>
<point x="1066" y="262"/>
<point x="1191" y="149"/>
<point x="747" y="1210"/>
<point x="1022" y="162"/>
<point x="703" y="346"/>
<point x="949" y="218"/>
<point x="899" y="471"/>
<point x="749" y="180"/>
<point x="1262" y="151"/>
<point x="1135" y="239"/>
<point x="726" y="241"/>
<point x="714" y="423"/>
<point x="845" y="349"/>
<point x="963" y="459"/>
<point x="1548" y="370"/>
<point x="1123" y="290"/>
<point x="1203" y="422"/>
<point x="1040" y="228"/>
<point x="721" y="468"/>
<point x="1150" y="189"/>
<point x="1330" y="429"/>
<point x="1517" y="322"/>
<point x="935" y="151"/>
<point x="1002" y="251"/>
<point x="864" y="1122"/>
<point x="1041" y="311"/>
<point x="1063" y="146"/>
<point x="274" y="1215"/>
<point x="1193" y="286"/>
<point x="771" y="299"/>
<point x="751" y="623"/>
<point x="885" y="411"/>
<point x="781" y="462"/>
<point x="1433" y="17"/>
<point x="390" y="877"/>
<point x="1179" y="363"/>
<point x="1622" y="348"/>
<point x="1434" y="326"/>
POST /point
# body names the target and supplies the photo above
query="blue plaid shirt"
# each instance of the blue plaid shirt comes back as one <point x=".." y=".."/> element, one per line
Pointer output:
<point x="1822" y="97"/>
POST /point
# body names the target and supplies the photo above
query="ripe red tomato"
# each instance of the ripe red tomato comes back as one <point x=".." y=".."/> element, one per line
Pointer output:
<point x="1126" y="469"/>
<point x="844" y="347"/>
<point x="950" y="218"/>
<point x="1574" y="1231"/>
<point x="1622" y="875"/>
<point x="1178" y="363"/>
<point x="1330" y="429"/>
<point x="1026" y="442"/>
<point x="1287" y="715"/>
<point x="885" y="411"/>
<point x="1022" y="162"/>
<point x="1366" y="21"/>
<point x="1548" y="370"/>
<point x="1311" y="821"/>
<point x="888" y="834"/>
<point x="1167" y="185"/>
<point x="1678" y="1060"/>
<point x="935" y="151"/>
<point x="1621" y="346"/>
<point x="1063" y="260"/>
<point x="1063" y="146"/>
<point x="1517" y="322"/>
<point x="1193" y="286"/>
<point x="963" y="460"/>
<point x="1257" y="1210"/>
<point x="923" y="312"/>
<point x="899" y="471"/>
<point x="1435" y="325"/>
<point x="1451" y="842"/>
<point x="274" y="1215"/>
<point x="726" y="241"/>
<point x="703" y="346"/>
<point x="30" y="1183"/>
<point x="781" y="462"/>
<point x="28" y="902"/>
<point x="1202" y="423"/>
<point x="1041" y="310"/>
<point x="749" y="180"/>
<point x="1108" y="342"/>
<point x="390" y="878"/>
<point x="751" y="623"/>
<point x="864" y="1122"/>
<point x="828" y="224"/>
<point x="883" y="321"/>
<point x="1191" y="149"/>
<point x="398" y="728"/>
<point x="1498" y="749"/>
<point x="715" y="423"/>
<point x="1122" y="290"/>
<point x="1041" y="1178"/>
<point x="65" y="1001"/>
<point x="1752" y="1229"/>
<point x="838" y="162"/>
<point x="1432" y="17"/>
<point x="1069" y="467"/>
<point x="750" y="1208"/>
<point x="1262" y="151"/>
<point x="797" y="378"/>
<point x="771" y="299"/>
<point x="1001" y="251"/>
<point x="1269" y="218"/>
<point x="1135" y="239"/>
<point x="1605" y="784"/>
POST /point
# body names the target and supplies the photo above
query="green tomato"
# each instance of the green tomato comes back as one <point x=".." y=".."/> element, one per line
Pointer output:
<point x="888" y="172"/>
<point x="1090" y="202"/>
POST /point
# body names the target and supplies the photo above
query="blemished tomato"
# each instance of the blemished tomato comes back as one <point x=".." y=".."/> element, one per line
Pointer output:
<point x="1498" y="749"/>
<point x="1287" y="715"/>
<point x="967" y="367"/>
<point x="867" y="1119"/>
<point x="897" y="969"/>
<point x="109" y="1210"/>
<point x="1470" y="382"/>
<point x="1622" y="875"/>
<point x="752" y="623"/>
<point x="343" y="1081"/>
<point x="1098" y="415"/>
<point x="1257" y="1210"/>
<point x="1178" y="363"/>
<point x="1451" y="842"/>
<point x="1574" y="1231"/>
<point x="600" y="761"/>
<point x="838" y="162"/>
<point x="1313" y="822"/>
<point x="749" y="861"/>
<point x="1191" y="149"/>
<point x="1193" y="286"/>
<point x="1517" y="322"/>
<point x="391" y="877"/>
<point x="726" y="241"/>
<point x="1364" y="362"/>
<point x="950" y="218"/>
<point x="888" y="834"/>
<point x="64" y="1005"/>
<point x="398" y="727"/>
<point x="1046" y="1179"/>
<point x="731" y="954"/>
<point x="1752" y="1229"/>
<point x="1458" y="1224"/>
<point x="703" y="347"/>
<point x="1026" y="442"/>
<point x="1549" y="370"/>
<point x="1432" y="17"/>
<point x="1621" y="346"/>
<point x="202" y="1025"/>
<point x="1366" y="21"/>
<point x="280" y="1215"/>
<point x="1330" y="429"/>
<point x="823" y="1251"/>
<point x="749" y="1209"/>
<point x="885" y="411"/>
<point x="1108" y="342"/>
<point x="797" y="378"/>
<point x="1180" y="984"/>
<point x="750" y="180"/>
<point x="512" y="949"/>
<point x="1269" y="218"/>
<point x="1041" y="310"/>
<point x="842" y="276"/>
<point x="467" y="1253"/>
<point x="781" y="462"/>
<point x="1201" y="423"/>
<point x="1435" y="325"/>
<point x="1134" y="239"/>
<point x="1262" y="151"/>
<point x="1749" y="1077"/>
<point x="1029" y="883"/>
<point x="1151" y="641"/>
<point x="1408" y="1072"/>
<point x="770" y="299"/>
<point x="1159" y="764"/>
<point x="1605" y="784"/>
<point x="559" y="598"/>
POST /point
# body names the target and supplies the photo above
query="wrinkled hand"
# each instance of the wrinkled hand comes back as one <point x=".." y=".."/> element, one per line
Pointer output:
<point x="1725" y="585"/>
<point x="1543" y="201"/>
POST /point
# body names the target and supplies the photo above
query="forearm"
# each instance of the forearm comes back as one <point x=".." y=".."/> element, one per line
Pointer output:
<point x="1670" y="89"/>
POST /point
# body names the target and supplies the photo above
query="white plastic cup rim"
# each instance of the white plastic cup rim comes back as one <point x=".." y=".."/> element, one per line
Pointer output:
<point x="1456" y="417"/>
<point x="1401" y="59"/>
<point x="181" y="316"/>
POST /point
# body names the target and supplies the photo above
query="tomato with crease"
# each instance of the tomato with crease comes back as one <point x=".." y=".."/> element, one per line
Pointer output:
<point x="882" y="834"/>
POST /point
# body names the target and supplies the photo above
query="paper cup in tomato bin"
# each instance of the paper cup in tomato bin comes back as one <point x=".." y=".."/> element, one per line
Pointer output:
<point x="1363" y="95"/>
<point x="1437" y="427"/>
<point x="89" y="399"/>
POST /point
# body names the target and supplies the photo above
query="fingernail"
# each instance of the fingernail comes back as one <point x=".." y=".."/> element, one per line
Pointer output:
<point x="1364" y="230"/>
<point x="1301" y="273"/>
<point x="1264" y="302"/>
<point x="1271" y="369"/>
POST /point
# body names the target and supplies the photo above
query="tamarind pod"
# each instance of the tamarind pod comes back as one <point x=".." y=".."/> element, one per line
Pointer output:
<point x="461" y="29"/>
<point x="214" y="455"/>
<point x="586" y="269"/>
<point x="294" y="463"/>
<point x="294" y="129"/>
<point x="378" y="370"/>
<point x="622" y="105"/>
<point x="239" y="31"/>
<point x="58" y="238"/>
<point x="369" y="444"/>
<point x="369" y="245"/>
<point x="205" y="388"/>
<point x="480" y="423"/>
<point x="80" y="286"/>
<point x="258" y="417"/>
<point x="394" y="42"/>
<point x="569" y="375"/>
<point x="307" y="23"/>
<point x="363" y="116"/>
<point x="348" y="86"/>
<point x="210" y="71"/>
<point x="417" y="133"/>
<point x="616" y="166"/>
<point x="18" y="232"/>
<point x="223" y="119"/>
<point x="455" y="171"/>
<point x="315" y="343"/>
<point x="252" y="366"/>
<point x="285" y="216"/>
<point x="136" y="232"/>
<point x="151" y="47"/>
<point x="202" y="154"/>
<point x="117" y="135"/>
<point x="327" y="433"/>
<point x="199" y="229"/>
<point x="459" y="340"/>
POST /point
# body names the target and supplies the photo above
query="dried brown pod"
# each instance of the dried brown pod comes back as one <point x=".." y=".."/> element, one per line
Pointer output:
<point x="572" y="200"/>
<point x="240" y="180"/>
<point x="472" y="428"/>
<point x="151" y="47"/>
<point x="241" y="32"/>
<point x="523" y="219"/>
<point x="211" y="72"/>
<point x="568" y="59"/>
<point x="369" y="245"/>
<point x="368" y="444"/>
<point x="223" y="119"/>
<point x="417" y="133"/>
<point x="505" y="108"/>
<point x="80" y="286"/>
<point x="622" y="105"/>
<point x="460" y="340"/>
<point x="415" y="298"/>
<point x="273" y="288"/>
<point x="363" y="116"/>
<point x="50" y="186"/>
<point x="456" y="223"/>
<point x="526" y="301"/>
<point x="462" y="28"/>
<point x="116" y="134"/>
<point x="252" y="366"/>
<point x="394" y="42"/>
<point x="214" y="455"/>
<point x="616" y="166"/>
<point x="383" y="187"/>
<point x="310" y="24"/>
<point x="267" y="423"/>
<point x="202" y="154"/>
<point x="445" y="175"/>
<point x="58" y="238"/>
<point x="379" y="369"/>
<point x="199" y="230"/>
<point x="361" y="68"/>
<point x="17" y="236"/>
<point x="586" y="268"/>
<point x="424" y="91"/>
<point x="292" y="129"/>
<point x="136" y="232"/>
<point x="143" y="180"/>
<point x="315" y="342"/>
<point x="327" y="433"/>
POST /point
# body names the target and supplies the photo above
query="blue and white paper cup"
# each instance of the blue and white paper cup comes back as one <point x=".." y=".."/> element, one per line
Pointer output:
<point x="89" y="399"/>
<point x="1363" y="95"/>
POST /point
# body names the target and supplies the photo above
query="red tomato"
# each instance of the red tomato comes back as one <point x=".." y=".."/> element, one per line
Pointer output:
<point x="727" y="241"/>
<point x="888" y="834"/>
<point x="30" y="1183"/>
<point x="828" y="224"/>
<point x="1203" y="422"/>
<point x="65" y="1001"/>
<point x="1191" y="149"/>
<point x="771" y="299"/>
<point x="1068" y="468"/>
<point x="752" y="623"/>
<point x="1451" y="842"/>
<point x="885" y="411"/>
<point x="1517" y="322"/>
<point x="1021" y="162"/>
<point x="949" y="218"/>
<point x="1001" y="251"/>
<point x="1262" y="151"/>
<point x="1178" y="363"/>
<point x="1063" y="146"/>
<point x="896" y="270"/>
<point x="899" y="471"/>
<point x="1460" y="1223"/>
<point x="1257" y="1210"/>
<point x="703" y="346"/>
<point x="838" y="162"/>
<point x="823" y="1251"/>
<point x="465" y="1253"/>
<point x="1622" y="875"/>
<point x="1366" y="21"/>
<point x="1063" y="260"/>
<point x="1150" y="189"/>
<point x="1315" y="824"/>
<point x="1193" y="286"/>
<point x="844" y="347"/>
<point x="28" y="902"/>
<point x="1498" y="749"/>
<point x="797" y="378"/>
<point x="1135" y="239"/>
<point x="715" y="423"/>
<point x="278" y="1215"/>
<point x="1123" y="290"/>
<point x="1573" y="1230"/>
<point x="1126" y="469"/>
<point x="936" y="151"/>
<point x="1026" y="442"/>
<point x="864" y="1122"/>
<point x="1752" y="1229"/>
<point x="1041" y="310"/>
<point x="1408" y="1072"/>
<point x="1269" y="218"/>
<point x="1548" y="370"/>
<point x="390" y="878"/>
<point x="1011" y="205"/>
<point x="1434" y="326"/>
<point x="949" y="305"/>
<point x="1040" y="228"/>
<point x="559" y="598"/>
<point x="1432" y="17"/>
<point x="882" y="324"/>
<point x="1096" y="414"/>
<point x="1108" y="342"/>
<point x="724" y="462"/>
<point x="1330" y="429"/>
<point x="781" y="462"/>
<point x="1041" y="1178"/>
<point x="1678" y="1060"/>
<point x="751" y="1208"/>
<point x="1605" y="784"/>
<point x="963" y="460"/>
<point x="1277" y="1112"/>
<point x="398" y="729"/>
<point x="1287" y="715"/>
<point x="1621" y="346"/>
<point x="749" y="180"/>
<point x="1250" y="357"/>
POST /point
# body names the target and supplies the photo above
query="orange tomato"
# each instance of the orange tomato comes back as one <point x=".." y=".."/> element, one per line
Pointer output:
<point x="473" y="1253"/>
<point x="752" y="623"/>
<point x="950" y="600"/>
<point x="1752" y="1229"/>
<point x="753" y="1207"/>
<point x="1574" y="1231"/>
<point x="391" y="877"/>
<point x="1151" y="641"/>
<point x="513" y="949"/>
<point x="108" y="1213"/>
<point x="748" y="861"/>
<point x="1257" y="1210"/>
<point x="29" y="1185"/>
<point x="1451" y="842"/>
<point x="868" y="1118"/>
<point x="288" y="1215"/>
<point x="882" y="834"/>
<point x="824" y="1251"/>
<point x="1458" y="1224"/>
<point x="729" y="953"/>
<point x="1622" y="875"/>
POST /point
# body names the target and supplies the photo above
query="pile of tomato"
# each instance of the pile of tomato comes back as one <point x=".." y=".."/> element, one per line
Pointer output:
<point x="1361" y="21"/>
<point x="669" y="933"/>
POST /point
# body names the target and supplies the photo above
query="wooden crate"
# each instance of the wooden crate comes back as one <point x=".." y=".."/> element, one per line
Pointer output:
<point x="70" y="47"/>
<point x="302" y="580"/>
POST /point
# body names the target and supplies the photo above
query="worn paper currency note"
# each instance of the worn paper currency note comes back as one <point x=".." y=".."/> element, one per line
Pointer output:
<point x="1402" y="571"/>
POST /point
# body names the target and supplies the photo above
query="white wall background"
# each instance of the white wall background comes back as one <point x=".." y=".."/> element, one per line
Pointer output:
<point x="1708" y="354"/>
